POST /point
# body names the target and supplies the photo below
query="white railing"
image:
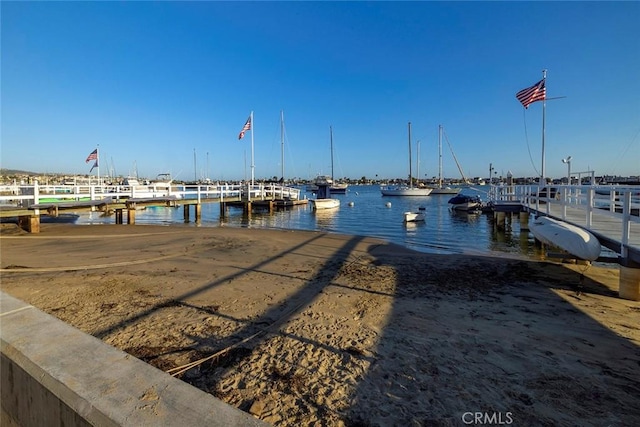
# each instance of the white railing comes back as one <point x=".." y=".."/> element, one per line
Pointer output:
<point x="620" y="202"/>
<point x="27" y="195"/>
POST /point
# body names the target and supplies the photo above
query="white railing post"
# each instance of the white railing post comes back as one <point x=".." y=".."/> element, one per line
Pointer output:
<point x="92" y="193"/>
<point x="36" y="192"/>
<point x="564" y="194"/>
<point x="626" y="224"/>
<point x="590" y="201"/>
<point x="612" y="200"/>
<point x="199" y="192"/>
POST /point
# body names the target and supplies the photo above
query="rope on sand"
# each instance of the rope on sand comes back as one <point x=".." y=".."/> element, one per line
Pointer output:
<point x="178" y="370"/>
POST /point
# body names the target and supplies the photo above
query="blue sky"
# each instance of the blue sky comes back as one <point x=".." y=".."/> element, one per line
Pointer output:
<point x="153" y="83"/>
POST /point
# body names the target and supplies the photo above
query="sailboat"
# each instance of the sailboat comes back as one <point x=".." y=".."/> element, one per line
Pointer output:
<point x="323" y="184"/>
<point x="440" y="189"/>
<point x="291" y="196"/>
<point x="403" y="190"/>
<point x="336" y="187"/>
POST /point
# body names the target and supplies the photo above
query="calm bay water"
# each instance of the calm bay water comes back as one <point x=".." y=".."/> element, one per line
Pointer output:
<point x="444" y="231"/>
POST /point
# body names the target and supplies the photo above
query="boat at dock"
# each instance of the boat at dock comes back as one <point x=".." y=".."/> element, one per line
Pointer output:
<point x="463" y="202"/>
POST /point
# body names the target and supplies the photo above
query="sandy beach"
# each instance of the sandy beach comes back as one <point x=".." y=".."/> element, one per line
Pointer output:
<point x="309" y="328"/>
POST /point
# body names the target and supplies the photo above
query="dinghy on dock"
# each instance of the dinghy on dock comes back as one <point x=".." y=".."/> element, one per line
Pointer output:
<point x="574" y="240"/>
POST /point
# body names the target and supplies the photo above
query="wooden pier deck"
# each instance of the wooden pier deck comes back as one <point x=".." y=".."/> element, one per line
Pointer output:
<point x="29" y="218"/>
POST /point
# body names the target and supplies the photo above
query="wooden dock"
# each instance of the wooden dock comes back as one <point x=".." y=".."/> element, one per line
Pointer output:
<point x="29" y="218"/>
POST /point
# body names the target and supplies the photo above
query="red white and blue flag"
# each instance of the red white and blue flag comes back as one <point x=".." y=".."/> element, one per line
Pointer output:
<point x="246" y="127"/>
<point x="537" y="92"/>
<point x="93" y="156"/>
<point x="95" y="165"/>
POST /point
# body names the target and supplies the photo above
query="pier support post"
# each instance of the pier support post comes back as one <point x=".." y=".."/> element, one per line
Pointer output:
<point x="119" y="216"/>
<point x="198" y="212"/>
<point x="247" y="207"/>
<point x="629" y="282"/>
<point x="131" y="215"/>
<point x="186" y="212"/>
<point x="29" y="223"/>
<point x="501" y="219"/>
<point x="524" y="221"/>
<point x="223" y="209"/>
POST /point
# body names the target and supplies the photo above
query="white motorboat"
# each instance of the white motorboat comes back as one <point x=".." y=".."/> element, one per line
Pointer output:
<point x="574" y="240"/>
<point x="323" y="198"/>
<point x="319" y="204"/>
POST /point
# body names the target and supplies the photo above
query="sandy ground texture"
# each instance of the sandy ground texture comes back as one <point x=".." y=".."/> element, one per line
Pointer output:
<point x="308" y="328"/>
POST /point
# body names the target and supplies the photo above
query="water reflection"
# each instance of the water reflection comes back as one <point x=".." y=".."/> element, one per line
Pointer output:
<point x="325" y="219"/>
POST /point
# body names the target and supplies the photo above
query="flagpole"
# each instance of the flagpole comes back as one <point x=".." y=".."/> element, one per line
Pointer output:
<point x="544" y="114"/>
<point x="98" y="161"/>
<point x="252" y="164"/>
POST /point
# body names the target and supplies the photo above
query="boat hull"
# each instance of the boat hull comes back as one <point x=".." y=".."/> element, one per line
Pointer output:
<point x="446" y="190"/>
<point x="405" y="191"/>
<point x="465" y="203"/>
<point x="318" y="204"/>
<point x="414" y="216"/>
<point x="466" y="207"/>
<point x="574" y="240"/>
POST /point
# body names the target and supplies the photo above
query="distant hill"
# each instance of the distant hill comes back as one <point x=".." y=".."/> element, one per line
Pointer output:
<point x="16" y="172"/>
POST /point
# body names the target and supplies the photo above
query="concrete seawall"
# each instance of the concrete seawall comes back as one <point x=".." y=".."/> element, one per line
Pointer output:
<point x="53" y="374"/>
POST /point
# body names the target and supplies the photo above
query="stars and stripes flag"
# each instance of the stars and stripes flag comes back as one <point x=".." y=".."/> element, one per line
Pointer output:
<point x="92" y="156"/>
<point x="95" y="165"/>
<point x="246" y="127"/>
<point x="537" y="92"/>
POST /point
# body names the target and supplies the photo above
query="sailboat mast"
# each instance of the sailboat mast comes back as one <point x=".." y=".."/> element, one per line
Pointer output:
<point x="440" y="156"/>
<point x="282" y="143"/>
<point x="410" y="179"/>
<point x="331" y="137"/>
<point x="253" y="166"/>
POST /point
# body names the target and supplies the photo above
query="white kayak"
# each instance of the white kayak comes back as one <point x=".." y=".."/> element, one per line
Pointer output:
<point x="575" y="240"/>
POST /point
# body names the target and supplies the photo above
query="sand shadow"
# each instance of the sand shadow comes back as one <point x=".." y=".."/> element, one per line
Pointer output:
<point x="499" y="338"/>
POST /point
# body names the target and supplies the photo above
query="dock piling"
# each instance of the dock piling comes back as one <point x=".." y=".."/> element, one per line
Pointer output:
<point x="629" y="287"/>
<point x="131" y="214"/>
<point x="524" y="221"/>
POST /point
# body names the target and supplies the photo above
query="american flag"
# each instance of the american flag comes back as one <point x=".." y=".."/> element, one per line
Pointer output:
<point x="95" y="165"/>
<point x="92" y="156"/>
<point x="246" y="127"/>
<point x="537" y="92"/>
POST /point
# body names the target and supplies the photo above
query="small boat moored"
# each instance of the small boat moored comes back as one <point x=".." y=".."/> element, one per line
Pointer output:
<point x="414" y="216"/>
<point x="462" y="202"/>
<point x="323" y="198"/>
